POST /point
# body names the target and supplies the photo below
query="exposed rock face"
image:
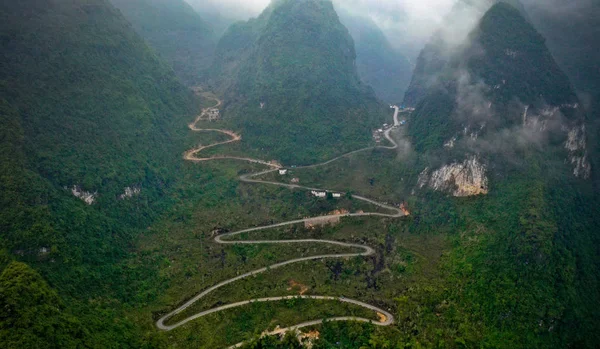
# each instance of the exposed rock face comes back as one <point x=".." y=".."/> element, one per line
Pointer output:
<point x="450" y="143"/>
<point x="576" y="144"/>
<point x="461" y="179"/>
<point x="130" y="192"/>
<point x="86" y="196"/>
<point x="576" y="136"/>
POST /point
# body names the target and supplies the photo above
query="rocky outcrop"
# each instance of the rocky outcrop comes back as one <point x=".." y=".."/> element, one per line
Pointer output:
<point x="130" y="192"/>
<point x="578" y="156"/>
<point x="461" y="179"/>
<point x="576" y="136"/>
<point x="88" y="197"/>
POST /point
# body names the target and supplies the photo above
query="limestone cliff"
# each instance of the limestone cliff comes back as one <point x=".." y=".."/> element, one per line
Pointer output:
<point x="87" y="197"/>
<point x="578" y="156"/>
<point x="461" y="179"/>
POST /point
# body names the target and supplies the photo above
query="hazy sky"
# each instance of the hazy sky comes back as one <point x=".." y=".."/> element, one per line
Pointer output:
<point x="408" y="24"/>
<point x="405" y="22"/>
<point x="237" y="9"/>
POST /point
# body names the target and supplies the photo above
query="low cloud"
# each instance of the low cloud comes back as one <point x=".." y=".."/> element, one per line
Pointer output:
<point x="231" y="9"/>
<point x="506" y="131"/>
<point x="408" y="24"/>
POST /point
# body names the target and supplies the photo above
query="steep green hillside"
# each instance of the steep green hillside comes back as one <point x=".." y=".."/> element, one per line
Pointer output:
<point x="431" y="61"/>
<point x="33" y="314"/>
<point x="233" y="48"/>
<point x="216" y="18"/>
<point x="445" y="42"/>
<point x="489" y="83"/>
<point x="529" y="278"/>
<point x="176" y="32"/>
<point x="85" y="106"/>
<point x="302" y="67"/>
<point x="379" y="65"/>
<point x="572" y="30"/>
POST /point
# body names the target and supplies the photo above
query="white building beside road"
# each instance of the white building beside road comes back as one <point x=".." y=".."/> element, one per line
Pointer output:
<point x="283" y="171"/>
<point x="319" y="194"/>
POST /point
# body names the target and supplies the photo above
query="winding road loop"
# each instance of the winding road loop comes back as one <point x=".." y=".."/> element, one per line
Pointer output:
<point x="191" y="155"/>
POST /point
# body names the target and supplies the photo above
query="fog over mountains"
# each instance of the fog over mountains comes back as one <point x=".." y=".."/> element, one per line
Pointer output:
<point x="408" y="24"/>
<point x="139" y="135"/>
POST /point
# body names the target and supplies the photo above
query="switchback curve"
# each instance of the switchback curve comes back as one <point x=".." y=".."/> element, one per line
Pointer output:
<point x="395" y="212"/>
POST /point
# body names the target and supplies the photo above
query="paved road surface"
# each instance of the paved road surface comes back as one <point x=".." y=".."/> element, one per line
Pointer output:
<point x="222" y="239"/>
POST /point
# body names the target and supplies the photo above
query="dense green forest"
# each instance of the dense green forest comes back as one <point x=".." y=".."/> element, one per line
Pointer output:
<point x="570" y="30"/>
<point x="503" y="70"/>
<point x="176" y="32"/>
<point x="525" y="281"/>
<point x="444" y="43"/>
<point x="299" y="60"/>
<point x="86" y="105"/>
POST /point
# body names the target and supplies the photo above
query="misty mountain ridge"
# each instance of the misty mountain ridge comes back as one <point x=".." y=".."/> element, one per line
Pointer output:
<point x="446" y="42"/>
<point x="289" y="69"/>
<point x="503" y="95"/>
<point x="106" y="225"/>
<point x="502" y="118"/>
<point x="176" y="32"/>
<point x="379" y="65"/>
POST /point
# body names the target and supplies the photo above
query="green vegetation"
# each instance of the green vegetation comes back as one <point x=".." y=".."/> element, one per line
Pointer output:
<point x="516" y="53"/>
<point x="572" y="42"/>
<point x="518" y="264"/>
<point x="431" y="61"/>
<point x="522" y="269"/>
<point x="299" y="60"/>
<point x="33" y="315"/>
<point x="85" y="102"/>
<point x="570" y="35"/>
<point x="504" y="68"/>
<point x="440" y="48"/>
<point x="379" y="65"/>
<point x="176" y="32"/>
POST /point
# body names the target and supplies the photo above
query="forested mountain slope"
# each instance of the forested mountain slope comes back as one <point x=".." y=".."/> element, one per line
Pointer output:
<point x="379" y="65"/>
<point x="572" y="30"/>
<point x="503" y="116"/>
<point x="216" y="18"/>
<point x="445" y="42"/>
<point x="494" y="78"/>
<point x="234" y="47"/>
<point x="176" y="32"/>
<point x="89" y="113"/>
<point x="301" y="69"/>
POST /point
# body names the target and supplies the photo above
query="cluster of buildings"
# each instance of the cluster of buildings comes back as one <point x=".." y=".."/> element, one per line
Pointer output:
<point x="323" y="194"/>
<point x="403" y="108"/>
<point x="213" y="114"/>
<point x="377" y="134"/>
<point x="319" y="194"/>
<point x="315" y="193"/>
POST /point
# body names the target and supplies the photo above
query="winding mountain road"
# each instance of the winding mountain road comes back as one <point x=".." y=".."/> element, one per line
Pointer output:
<point x="386" y="318"/>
